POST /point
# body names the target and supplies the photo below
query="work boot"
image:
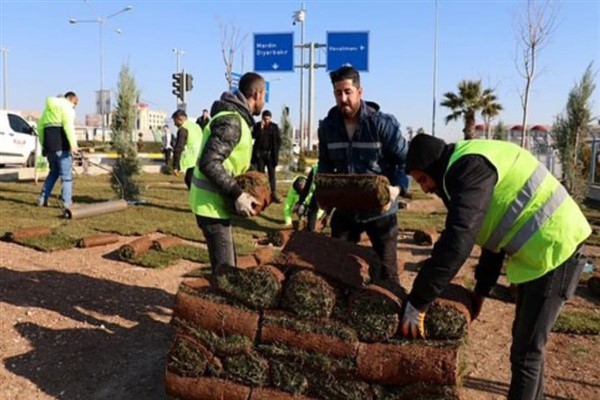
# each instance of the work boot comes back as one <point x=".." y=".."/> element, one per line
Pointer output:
<point x="275" y="198"/>
<point x="42" y="202"/>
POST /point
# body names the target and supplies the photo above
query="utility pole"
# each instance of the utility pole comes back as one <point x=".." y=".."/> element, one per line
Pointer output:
<point x="300" y="16"/>
<point x="435" y="36"/>
<point x="178" y="54"/>
<point x="311" y="89"/>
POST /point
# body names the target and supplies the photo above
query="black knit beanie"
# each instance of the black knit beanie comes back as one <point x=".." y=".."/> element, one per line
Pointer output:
<point x="428" y="154"/>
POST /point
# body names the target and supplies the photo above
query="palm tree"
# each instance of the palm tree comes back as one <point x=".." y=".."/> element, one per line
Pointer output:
<point x="470" y="100"/>
<point x="490" y="109"/>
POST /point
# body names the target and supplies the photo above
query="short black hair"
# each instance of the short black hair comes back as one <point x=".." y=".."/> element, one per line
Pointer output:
<point x="179" y="113"/>
<point x="343" y="73"/>
<point x="70" y="94"/>
<point x="267" y="113"/>
<point x="250" y="83"/>
<point x="205" y="110"/>
<point x="301" y="180"/>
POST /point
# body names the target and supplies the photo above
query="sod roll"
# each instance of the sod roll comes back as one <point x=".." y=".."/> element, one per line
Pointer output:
<point x="425" y="237"/>
<point x="374" y="313"/>
<point x="204" y="388"/>
<point x="135" y="248"/>
<point x="79" y="211"/>
<point x="257" y="287"/>
<point x="273" y="394"/>
<point x="97" y="240"/>
<point x="352" y="191"/>
<point x="20" y="234"/>
<point x="165" y="242"/>
<point x="309" y="295"/>
<point x="189" y="358"/>
<point x="257" y="185"/>
<point x="449" y="316"/>
<point x="408" y="363"/>
<point x="222" y="319"/>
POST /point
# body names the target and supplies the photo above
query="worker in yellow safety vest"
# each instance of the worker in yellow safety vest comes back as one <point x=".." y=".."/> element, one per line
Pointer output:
<point x="56" y="133"/>
<point x="226" y="151"/>
<point x="187" y="146"/>
<point x="500" y="197"/>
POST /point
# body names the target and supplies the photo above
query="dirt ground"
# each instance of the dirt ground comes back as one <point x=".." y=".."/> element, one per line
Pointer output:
<point x="76" y="324"/>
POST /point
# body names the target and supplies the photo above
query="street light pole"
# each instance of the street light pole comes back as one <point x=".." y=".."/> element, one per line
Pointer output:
<point x="101" y="21"/>
<point x="178" y="54"/>
<point x="300" y="16"/>
<point x="435" y="36"/>
<point x="5" y="76"/>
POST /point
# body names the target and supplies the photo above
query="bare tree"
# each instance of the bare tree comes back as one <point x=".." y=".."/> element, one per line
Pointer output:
<point x="231" y="41"/>
<point x="535" y="27"/>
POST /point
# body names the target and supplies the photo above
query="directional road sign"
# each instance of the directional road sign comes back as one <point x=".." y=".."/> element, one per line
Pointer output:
<point x="348" y="48"/>
<point x="274" y="52"/>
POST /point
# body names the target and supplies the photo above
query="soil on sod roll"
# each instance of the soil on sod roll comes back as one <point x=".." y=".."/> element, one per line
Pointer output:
<point x="352" y="191"/>
<point x="204" y="388"/>
<point x="425" y="237"/>
<point x="258" y="287"/>
<point x="20" y="234"/>
<point x="327" y="345"/>
<point x="264" y="255"/>
<point x="343" y="261"/>
<point x="272" y="394"/>
<point x="189" y="358"/>
<point x="222" y="319"/>
<point x="374" y="313"/>
<point x="408" y="363"/>
<point x="309" y="295"/>
<point x="257" y="185"/>
<point x="246" y="262"/>
<point x="449" y="315"/>
<point x="418" y="391"/>
<point x="135" y="248"/>
<point x="165" y="242"/>
<point x="277" y="238"/>
<point x="97" y="240"/>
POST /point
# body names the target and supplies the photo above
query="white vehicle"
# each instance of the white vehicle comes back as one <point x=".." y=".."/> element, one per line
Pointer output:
<point x="17" y="140"/>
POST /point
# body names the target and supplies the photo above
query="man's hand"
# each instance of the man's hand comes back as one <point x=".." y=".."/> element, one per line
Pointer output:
<point x="244" y="205"/>
<point x="394" y="192"/>
<point x="477" y="300"/>
<point x="413" y="322"/>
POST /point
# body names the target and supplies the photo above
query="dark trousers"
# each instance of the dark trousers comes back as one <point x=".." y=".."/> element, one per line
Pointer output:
<point x="538" y="305"/>
<point x="263" y="162"/>
<point x="311" y="215"/>
<point x="189" y="174"/>
<point x="382" y="232"/>
<point x="168" y="153"/>
<point x="219" y="240"/>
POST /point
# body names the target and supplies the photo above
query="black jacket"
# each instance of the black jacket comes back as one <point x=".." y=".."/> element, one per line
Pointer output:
<point x="225" y="135"/>
<point x="269" y="136"/>
<point x="470" y="183"/>
<point x="182" y="135"/>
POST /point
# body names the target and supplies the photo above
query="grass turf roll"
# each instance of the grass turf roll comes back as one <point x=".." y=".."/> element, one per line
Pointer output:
<point x="135" y="248"/>
<point x="374" y="313"/>
<point x="257" y="287"/>
<point x="309" y="295"/>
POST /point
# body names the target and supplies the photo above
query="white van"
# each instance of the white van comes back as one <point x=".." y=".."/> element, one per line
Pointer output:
<point x="17" y="140"/>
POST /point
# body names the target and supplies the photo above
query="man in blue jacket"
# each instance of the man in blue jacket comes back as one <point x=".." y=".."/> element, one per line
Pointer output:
<point x="357" y="138"/>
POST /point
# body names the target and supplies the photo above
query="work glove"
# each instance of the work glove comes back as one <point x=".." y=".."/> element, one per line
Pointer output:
<point x="176" y="172"/>
<point x="477" y="303"/>
<point x="413" y="322"/>
<point x="394" y="192"/>
<point x="301" y="210"/>
<point x="244" y="205"/>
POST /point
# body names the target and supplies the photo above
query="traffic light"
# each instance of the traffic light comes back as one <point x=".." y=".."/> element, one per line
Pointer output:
<point x="188" y="82"/>
<point x="178" y="85"/>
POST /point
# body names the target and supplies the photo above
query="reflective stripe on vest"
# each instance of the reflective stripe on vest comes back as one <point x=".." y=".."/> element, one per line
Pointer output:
<point x="517" y="207"/>
<point x="204" y="184"/>
<point x="356" y="145"/>
<point x="537" y="220"/>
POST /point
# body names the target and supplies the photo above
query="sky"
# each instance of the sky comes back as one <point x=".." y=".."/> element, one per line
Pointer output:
<point x="476" y="40"/>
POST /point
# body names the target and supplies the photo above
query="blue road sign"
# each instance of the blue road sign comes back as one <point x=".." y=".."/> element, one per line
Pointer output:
<point x="267" y="91"/>
<point x="348" y="48"/>
<point x="235" y="80"/>
<point x="274" y="52"/>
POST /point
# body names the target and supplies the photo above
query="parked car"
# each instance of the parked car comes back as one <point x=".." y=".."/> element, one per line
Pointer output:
<point x="17" y="140"/>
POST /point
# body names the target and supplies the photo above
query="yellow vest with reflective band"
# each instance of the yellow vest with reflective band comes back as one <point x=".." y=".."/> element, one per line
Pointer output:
<point x="205" y="199"/>
<point x="191" y="151"/>
<point x="530" y="216"/>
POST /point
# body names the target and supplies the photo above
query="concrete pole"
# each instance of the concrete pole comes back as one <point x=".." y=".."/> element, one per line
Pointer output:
<point x="311" y="93"/>
<point x="302" y="125"/>
<point x="102" y="110"/>
<point x="435" y="36"/>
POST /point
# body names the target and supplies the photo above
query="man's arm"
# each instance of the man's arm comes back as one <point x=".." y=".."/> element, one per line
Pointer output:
<point x="325" y="164"/>
<point x="225" y="135"/>
<point x="394" y="148"/>
<point x="470" y="182"/>
<point x="182" y="134"/>
<point x="488" y="271"/>
<point x="68" y="124"/>
<point x="277" y="143"/>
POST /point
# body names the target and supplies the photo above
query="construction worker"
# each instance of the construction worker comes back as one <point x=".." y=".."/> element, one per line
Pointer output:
<point x="357" y="138"/>
<point x="501" y="198"/>
<point x="187" y="147"/>
<point x="308" y="206"/>
<point x="56" y="133"/>
<point x="291" y="199"/>
<point x="225" y="153"/>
